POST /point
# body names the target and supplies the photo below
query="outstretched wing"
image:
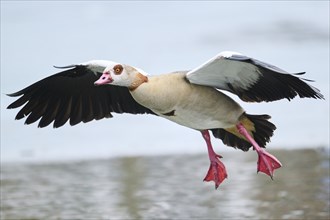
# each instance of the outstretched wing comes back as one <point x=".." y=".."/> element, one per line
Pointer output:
<point x="250" y="79"/>
<point x="72" y="95"/>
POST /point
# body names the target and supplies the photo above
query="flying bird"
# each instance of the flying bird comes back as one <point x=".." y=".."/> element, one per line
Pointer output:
<point x="98" y="88"/>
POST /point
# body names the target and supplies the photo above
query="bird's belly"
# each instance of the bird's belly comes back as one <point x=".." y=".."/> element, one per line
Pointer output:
<point x="201" y="117"/>
<point x="197" y="121"/>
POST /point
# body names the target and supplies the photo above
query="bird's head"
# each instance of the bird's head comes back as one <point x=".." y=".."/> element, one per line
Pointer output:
<point x="122" y="75"/>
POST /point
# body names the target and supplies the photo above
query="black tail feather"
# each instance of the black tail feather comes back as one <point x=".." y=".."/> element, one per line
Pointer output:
<point x="263" y="131"/>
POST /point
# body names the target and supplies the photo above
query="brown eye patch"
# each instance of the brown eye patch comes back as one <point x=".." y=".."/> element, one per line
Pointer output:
<point x="118" y="69"/>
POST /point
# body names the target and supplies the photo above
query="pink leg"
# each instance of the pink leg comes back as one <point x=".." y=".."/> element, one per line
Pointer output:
<point x="217" y="171"/>
<point x="267" y="163"/>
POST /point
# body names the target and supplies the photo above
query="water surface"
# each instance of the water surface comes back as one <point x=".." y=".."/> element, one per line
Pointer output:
<point x="168" y="187"/>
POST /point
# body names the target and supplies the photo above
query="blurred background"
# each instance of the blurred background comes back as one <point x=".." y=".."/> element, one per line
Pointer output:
<point x="158" y="37"/>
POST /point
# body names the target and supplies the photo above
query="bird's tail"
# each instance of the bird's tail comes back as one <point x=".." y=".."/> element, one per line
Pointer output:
<point x="257" y="125"/>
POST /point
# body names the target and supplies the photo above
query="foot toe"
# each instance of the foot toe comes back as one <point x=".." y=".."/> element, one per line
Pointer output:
<point x="217" y="173"/>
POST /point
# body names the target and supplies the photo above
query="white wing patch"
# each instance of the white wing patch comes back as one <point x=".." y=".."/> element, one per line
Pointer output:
<point x="219" y="72"/>
<point x="228" y="54"/>
<point x="98" y="65"/>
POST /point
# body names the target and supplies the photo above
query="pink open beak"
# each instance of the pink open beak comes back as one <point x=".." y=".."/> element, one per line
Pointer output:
<point x="104" y="79"/>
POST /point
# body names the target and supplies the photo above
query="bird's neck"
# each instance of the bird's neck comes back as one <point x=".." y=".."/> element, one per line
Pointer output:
<point x="139" y="79"/>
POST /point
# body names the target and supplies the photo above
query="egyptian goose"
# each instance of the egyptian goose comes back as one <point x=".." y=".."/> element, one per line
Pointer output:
<point x="95" y="89"/>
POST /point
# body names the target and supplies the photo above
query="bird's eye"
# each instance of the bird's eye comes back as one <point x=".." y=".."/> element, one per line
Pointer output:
<point x="118" y="69"/>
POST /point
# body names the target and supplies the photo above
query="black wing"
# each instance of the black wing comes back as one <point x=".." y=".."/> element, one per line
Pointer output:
<point x="275" y="83"/>
<point x="71" y="94"/>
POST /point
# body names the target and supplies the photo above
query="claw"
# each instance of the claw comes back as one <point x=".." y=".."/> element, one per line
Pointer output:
<point x="217" y="172"/>
<point x="267" y="163"/>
